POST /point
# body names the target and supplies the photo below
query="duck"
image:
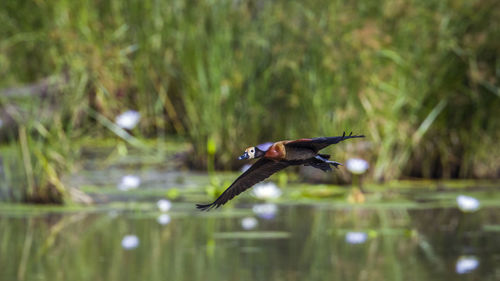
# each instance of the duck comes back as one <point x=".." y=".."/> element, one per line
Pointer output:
<point x="274" y="157"/>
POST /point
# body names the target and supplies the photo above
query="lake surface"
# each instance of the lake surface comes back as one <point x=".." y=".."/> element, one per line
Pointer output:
<point x="325" y="241"/>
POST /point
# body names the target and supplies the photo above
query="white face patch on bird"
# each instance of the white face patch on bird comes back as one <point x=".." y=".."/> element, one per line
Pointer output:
<point x="251" y="152"/>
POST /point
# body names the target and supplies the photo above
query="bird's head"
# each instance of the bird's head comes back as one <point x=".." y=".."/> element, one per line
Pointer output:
<point x="249" y="153"/>
<point x="255" y="151"/>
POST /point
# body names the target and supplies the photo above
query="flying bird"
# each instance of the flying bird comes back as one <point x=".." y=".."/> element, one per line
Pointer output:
<point x="275" y="157"/>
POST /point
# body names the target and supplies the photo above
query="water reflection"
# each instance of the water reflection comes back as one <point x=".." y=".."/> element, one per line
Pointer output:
<point x="355" y="237"/>
<point x="163" y="219"/>
<point x="300" y="243"/>
<point x="266" y="211"/>
<point x="249" y="223"/>
<point x="130" y="242"/>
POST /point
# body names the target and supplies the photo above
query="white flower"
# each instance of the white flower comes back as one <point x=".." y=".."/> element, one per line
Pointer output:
<point x="357" y="166"/>
<point x="163" y="219"/>
<point x="128" y="119"/>
<point x="467" y="203"/>
<point x="355" y="237"/>
<point x="129" y="182"/>
<point x="164" y="205"/>
<point x="466" y="264"/>
<point x="249" y="223"/>
<point x="130" y="242"/>
<point x="266" y="191"/>
<point x="266" y="211"/>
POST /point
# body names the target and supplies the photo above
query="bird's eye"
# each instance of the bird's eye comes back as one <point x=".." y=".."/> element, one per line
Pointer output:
<point x="251" y="150"/>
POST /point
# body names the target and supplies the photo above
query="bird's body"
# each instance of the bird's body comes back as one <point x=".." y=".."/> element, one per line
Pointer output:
<point x="275" y="157"/>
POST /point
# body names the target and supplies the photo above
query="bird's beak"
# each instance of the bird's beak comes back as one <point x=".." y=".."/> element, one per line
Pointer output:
<point x="244" y="156"/>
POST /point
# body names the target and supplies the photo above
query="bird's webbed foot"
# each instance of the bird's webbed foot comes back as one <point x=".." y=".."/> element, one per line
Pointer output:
<point x="324" y="160"/>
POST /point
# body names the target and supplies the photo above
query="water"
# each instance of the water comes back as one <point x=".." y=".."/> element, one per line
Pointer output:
<point x="298" y="242"/>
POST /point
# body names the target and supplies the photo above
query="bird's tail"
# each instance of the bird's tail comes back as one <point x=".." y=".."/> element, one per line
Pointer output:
<point x="334" y="140"/>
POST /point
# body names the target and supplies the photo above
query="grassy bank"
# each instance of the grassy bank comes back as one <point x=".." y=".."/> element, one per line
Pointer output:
<point x="419" y="78"/>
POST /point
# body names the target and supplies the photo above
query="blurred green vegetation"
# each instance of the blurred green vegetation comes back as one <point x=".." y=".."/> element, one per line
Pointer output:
<point x="300" y="243"/>
<point x="419" y="78"/>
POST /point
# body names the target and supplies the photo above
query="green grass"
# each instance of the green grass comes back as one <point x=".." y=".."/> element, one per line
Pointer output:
<point x="419" y="78"/>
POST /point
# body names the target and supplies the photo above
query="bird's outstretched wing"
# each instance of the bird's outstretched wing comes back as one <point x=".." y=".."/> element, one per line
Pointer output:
<point x="259" y="171"/>
<point x="317" y="144"/>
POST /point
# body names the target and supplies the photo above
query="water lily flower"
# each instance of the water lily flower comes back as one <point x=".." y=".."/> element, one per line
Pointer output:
<point x="129" y="182"/>
<point x="249" y="223"/>
<point x="467" y="203"/>
<point x="163" y="219"/>
<point x="466" y="264"/>
<point x="357" y="166"/>
<point x="355" y="237"/>
<point x="266" y="211"/>
<point x="128" y="119"/>
<point x="130" y="242"/>
<point x="266" y="191"/>
<point x="164" y="205"/>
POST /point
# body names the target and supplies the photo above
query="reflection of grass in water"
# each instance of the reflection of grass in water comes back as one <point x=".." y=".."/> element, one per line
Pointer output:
<point x="86" y="246"/>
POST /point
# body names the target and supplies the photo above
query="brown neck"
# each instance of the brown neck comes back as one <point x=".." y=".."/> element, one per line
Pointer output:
<point x="276" y="152"/>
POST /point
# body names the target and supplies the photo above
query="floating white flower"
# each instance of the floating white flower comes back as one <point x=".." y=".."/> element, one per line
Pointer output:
<point x="163" y="219"/>
<point x="266" y="191"/>
<point x="467" y="203"/>
<point x="249" y="223"/>
<point x="128" y="119"/>
<point x="164" y="205"/>
<point x="357" y="166"/>
<point x="130" y="242"/>
<point x="266" y="211"/>
<point x="466" y="264"/>
<point x="129" y="182"/>
<point x="355" y="237"/>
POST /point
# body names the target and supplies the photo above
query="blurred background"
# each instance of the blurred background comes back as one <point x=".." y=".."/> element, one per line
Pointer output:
<point x="117" y="116"/>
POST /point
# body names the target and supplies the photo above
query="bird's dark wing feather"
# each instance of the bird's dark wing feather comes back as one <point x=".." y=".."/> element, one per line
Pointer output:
<point x="319" y="143"/>
<point x="259" y="171"/>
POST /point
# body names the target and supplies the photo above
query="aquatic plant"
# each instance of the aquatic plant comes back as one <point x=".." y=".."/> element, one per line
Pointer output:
<point x="466" y="264"/>
<point x="467" y="203"/>
<point x="128" y="182"/>
<point x="266" y="191"/>
<point x="128" y="119"/>
<point x="164" y="205"/>
<point x="357" y="166"/>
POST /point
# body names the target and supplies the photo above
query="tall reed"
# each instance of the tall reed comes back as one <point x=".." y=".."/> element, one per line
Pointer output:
<point x="419" y="78"/>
